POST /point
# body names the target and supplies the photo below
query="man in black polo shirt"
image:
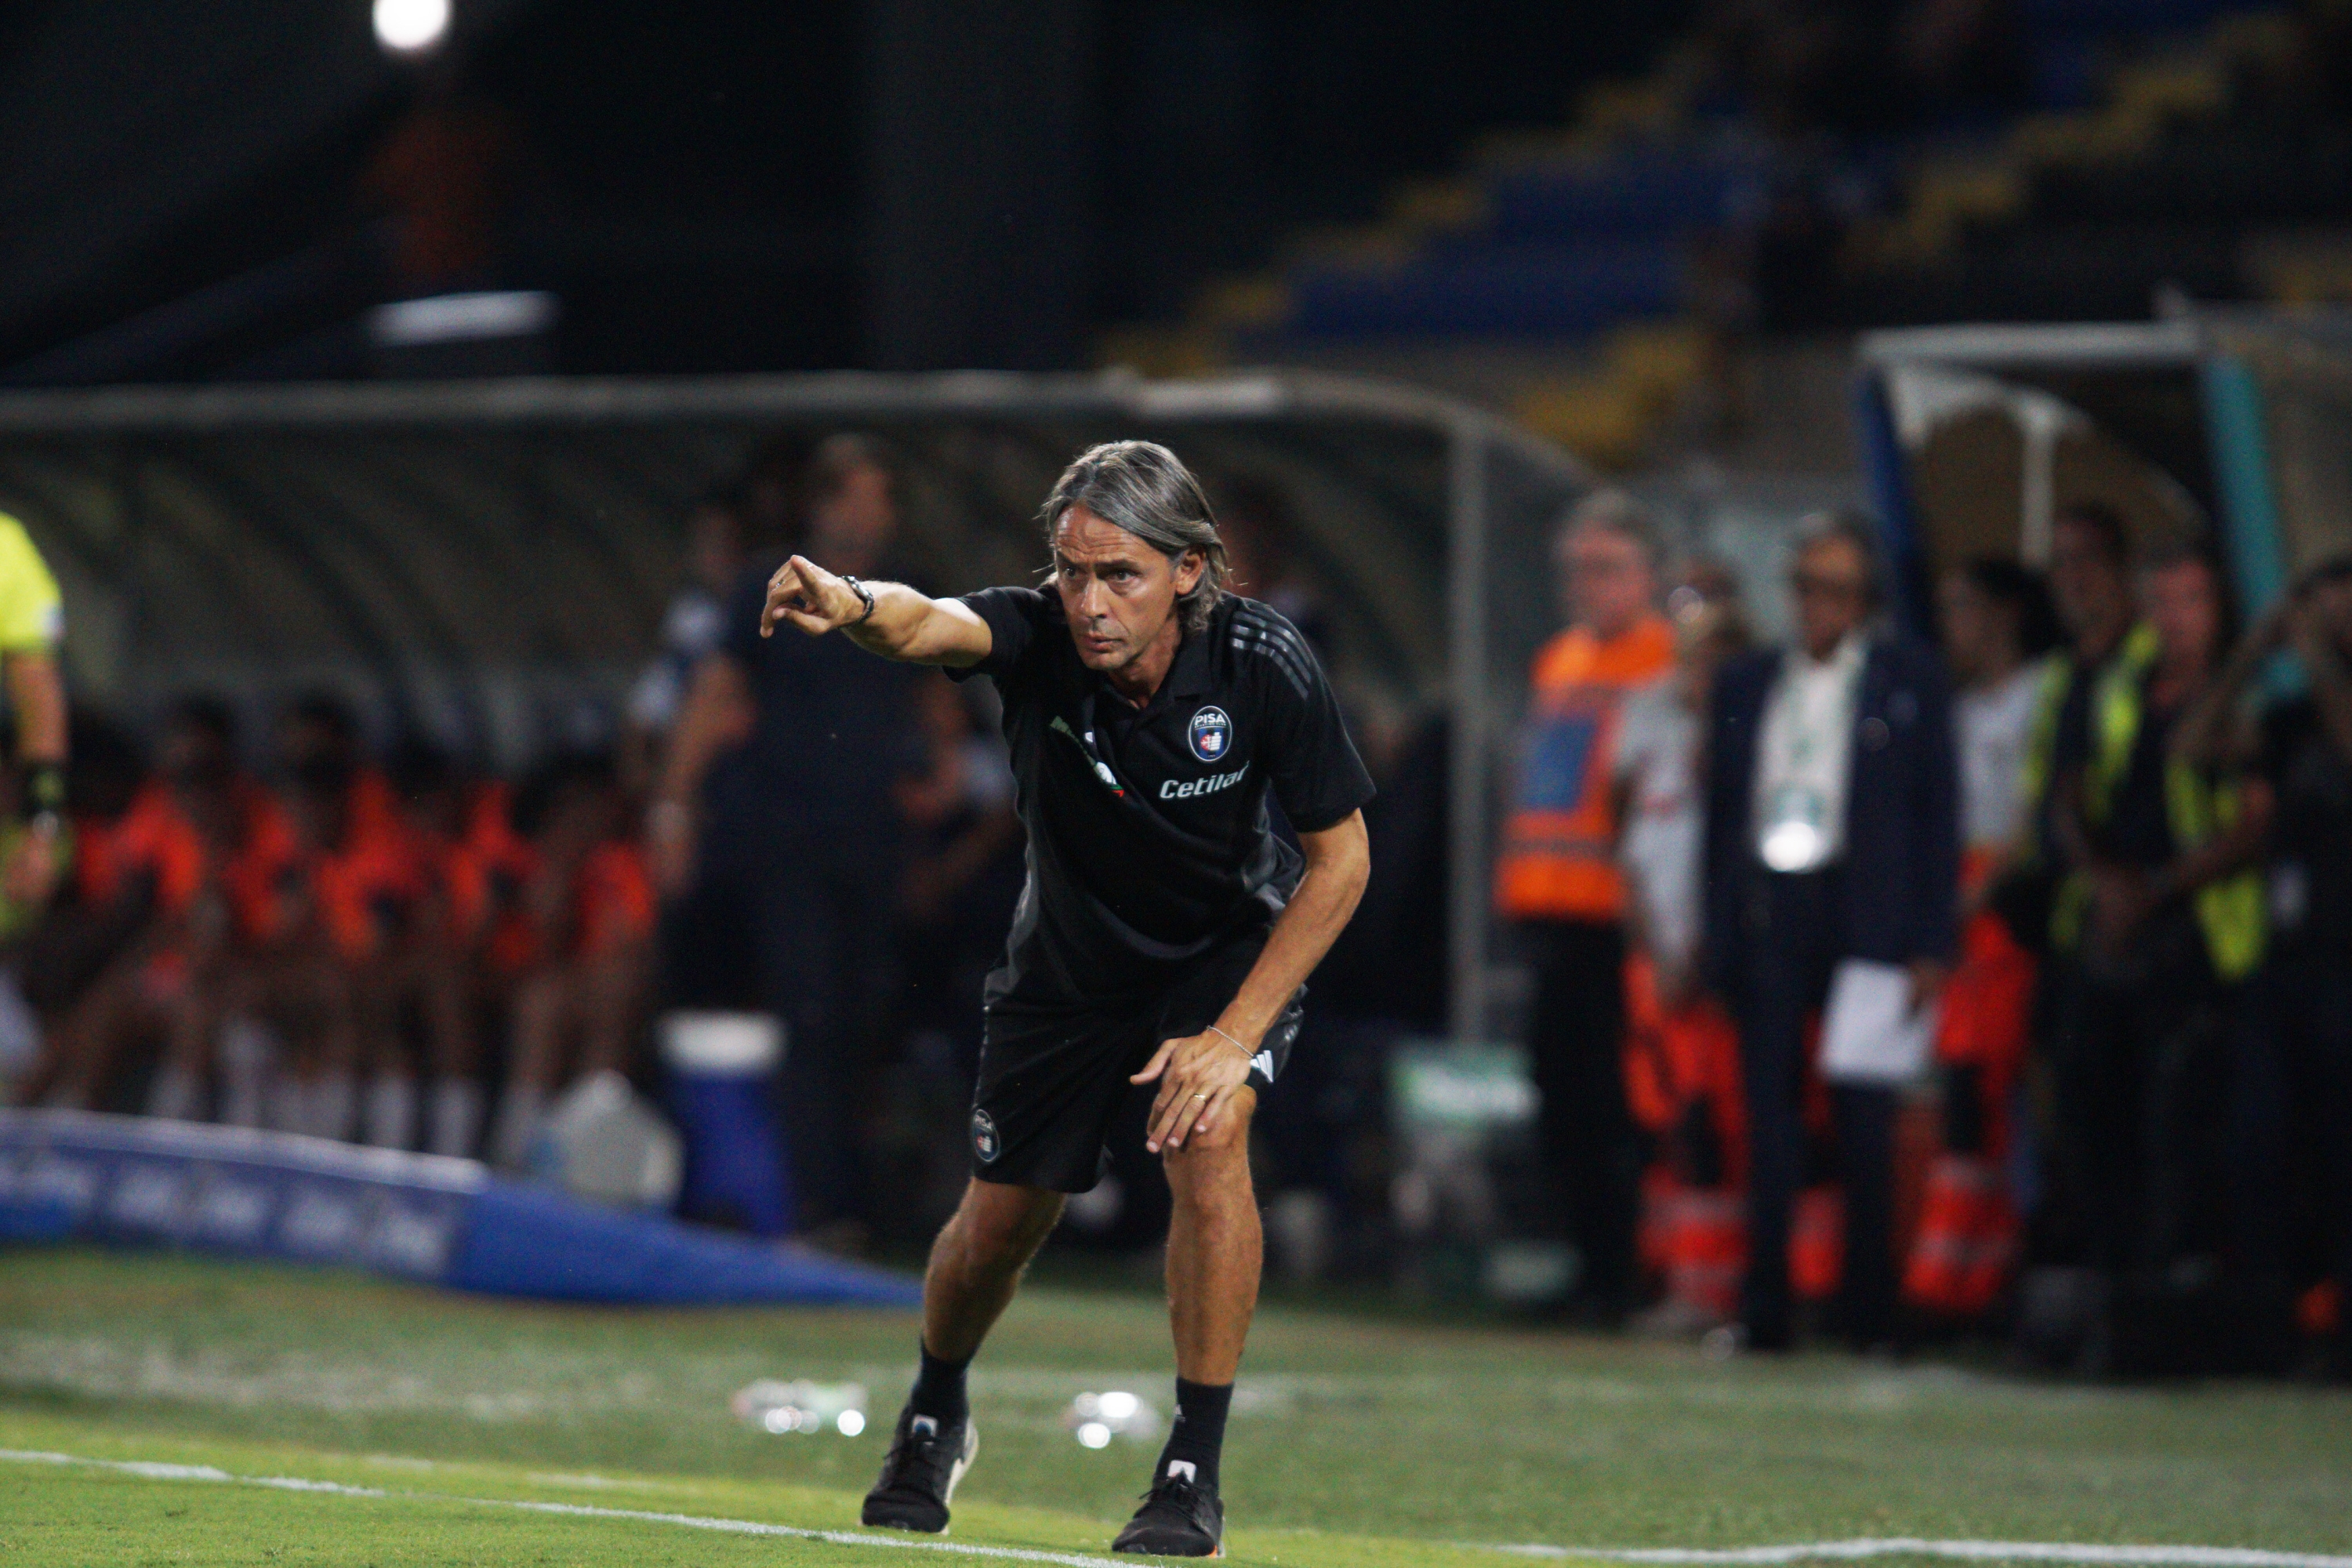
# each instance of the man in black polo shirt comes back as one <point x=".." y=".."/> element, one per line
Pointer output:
<point x="1164" y="937"/>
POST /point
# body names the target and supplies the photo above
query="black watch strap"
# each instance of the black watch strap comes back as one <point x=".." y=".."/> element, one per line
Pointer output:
<point x="864" y="596"/>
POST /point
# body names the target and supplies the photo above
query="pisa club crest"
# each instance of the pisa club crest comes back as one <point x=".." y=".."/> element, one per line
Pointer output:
<point x="984" y="1140"/>
<point x="1211" y="734"/>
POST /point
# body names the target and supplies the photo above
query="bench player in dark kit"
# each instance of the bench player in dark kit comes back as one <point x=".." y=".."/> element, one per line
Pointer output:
<point x="1164" y="937"/>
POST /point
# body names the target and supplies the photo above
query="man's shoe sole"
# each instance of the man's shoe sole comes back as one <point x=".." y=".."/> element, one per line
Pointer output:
<point x="1156" y="1552"/>
<point x="955" y="1474"/>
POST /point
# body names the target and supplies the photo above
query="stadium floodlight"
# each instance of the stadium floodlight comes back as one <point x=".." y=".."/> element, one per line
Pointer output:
<point x="411" y="27"/>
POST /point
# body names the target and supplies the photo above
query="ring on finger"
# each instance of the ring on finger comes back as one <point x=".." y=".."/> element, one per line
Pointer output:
<point x="1200" y="1097"/>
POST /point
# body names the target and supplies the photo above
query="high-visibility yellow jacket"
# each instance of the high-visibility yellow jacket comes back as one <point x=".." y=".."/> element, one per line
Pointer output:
<point x="2197" y="806"/>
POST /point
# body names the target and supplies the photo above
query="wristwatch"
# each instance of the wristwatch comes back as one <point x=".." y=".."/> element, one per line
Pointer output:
<point x="864" y="596"/>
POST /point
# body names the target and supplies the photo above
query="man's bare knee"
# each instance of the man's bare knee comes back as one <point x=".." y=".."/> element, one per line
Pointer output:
<point x="1002" y="1224"/>
<point x="1207" y="1162"/>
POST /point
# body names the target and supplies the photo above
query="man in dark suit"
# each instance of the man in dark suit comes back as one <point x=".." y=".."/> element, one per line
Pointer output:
<point x="1832" y="834"/>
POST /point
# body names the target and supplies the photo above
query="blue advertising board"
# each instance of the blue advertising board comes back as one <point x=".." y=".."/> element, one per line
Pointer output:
<point x="69" y="1175"/>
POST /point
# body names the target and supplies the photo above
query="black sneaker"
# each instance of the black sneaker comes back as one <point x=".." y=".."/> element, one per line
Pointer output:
<point x="925" y="1462"/>
<point x="1180" y="1518"/>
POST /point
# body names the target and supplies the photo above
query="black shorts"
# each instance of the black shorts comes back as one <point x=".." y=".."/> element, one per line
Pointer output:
<point x="1050" y="1082"/>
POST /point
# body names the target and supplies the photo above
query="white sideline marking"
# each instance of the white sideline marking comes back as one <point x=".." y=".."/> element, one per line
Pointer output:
<point x="1968" y="1551"/>
<point x="1695" y="1557"/>
<point x="148" y="1470"/>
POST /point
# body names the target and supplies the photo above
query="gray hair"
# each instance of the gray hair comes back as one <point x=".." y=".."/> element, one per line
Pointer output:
<point x="1617" y="511"/>
<point x="1143" y="488"/>
<point x="1856" y="529"/>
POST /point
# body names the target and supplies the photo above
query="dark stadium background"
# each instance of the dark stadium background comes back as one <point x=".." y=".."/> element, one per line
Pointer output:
<point x="720" y="187"/>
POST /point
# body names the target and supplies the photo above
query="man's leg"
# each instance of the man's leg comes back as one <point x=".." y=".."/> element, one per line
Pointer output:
<point x="1865" y="1140"/>
<point x="1771" y="1043"/>
<point x="1214" y="1248"/>
<point x="1214" y="1251"/>
<point x="976" y="1263"/>
<point x="1609" y="1180"/>
<point x="976" y="1267"/>
<point x="1786" y="979"/>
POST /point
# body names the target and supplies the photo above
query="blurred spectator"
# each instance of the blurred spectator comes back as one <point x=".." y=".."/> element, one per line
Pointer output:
<point x="589" y="911"/>
<point x="1557" y="878"/>
<point x="2307" y="756"/>
<point x="1999" y="626"/>
<point x="58" y="957"/>
<point x="466" y="854"/>
<point x="1660" y="757"/>
<point x="2292" y="1157"/>
<point x="1830" y="826"/>
<point x="692" y="631"/>
<point x="1681" y="1061"/>
<point x="789" y="838"/>
<point x="33" y="849"/>
<point x="2158" y="918"/>
<point x="1262" y="544"/>
<point x="444" y="169"/>
<point x="333" y="965"/>
<point x="964" y="875"/>
<point x="195" y="859"/>
<point x="963" y="865"/>
<point x="2090" y="584"/>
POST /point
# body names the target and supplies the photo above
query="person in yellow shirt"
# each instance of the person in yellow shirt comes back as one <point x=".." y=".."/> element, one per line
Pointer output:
<point x="1556" y="876"/>
<point x="32" y="624"/>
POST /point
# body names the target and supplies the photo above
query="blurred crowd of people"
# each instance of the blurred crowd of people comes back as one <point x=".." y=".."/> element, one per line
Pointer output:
<point x="1893" y="986"/>
<point x="317" y="941"/>
<point x="1877" y="983"/>
<point x="293" y="928"/>
<point x="301" y="917"/>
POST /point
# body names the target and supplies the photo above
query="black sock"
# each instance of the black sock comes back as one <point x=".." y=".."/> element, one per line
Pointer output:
<point x="938" y="1390"/>
<point x="1197" y="1437"/>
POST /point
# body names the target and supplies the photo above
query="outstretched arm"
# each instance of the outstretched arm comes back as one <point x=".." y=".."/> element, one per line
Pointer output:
<point x="905" y="625"/>
<point x="2331" y="676"/>
<point x="2206" y="733"/>
<point x="1201" y="1075"/>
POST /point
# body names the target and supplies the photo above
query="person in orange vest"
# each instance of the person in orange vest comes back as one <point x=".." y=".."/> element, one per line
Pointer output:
<point x="1557" y="878"/>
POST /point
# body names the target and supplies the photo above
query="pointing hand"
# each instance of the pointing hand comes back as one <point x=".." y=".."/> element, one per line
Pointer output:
<point x="810" y="597"/>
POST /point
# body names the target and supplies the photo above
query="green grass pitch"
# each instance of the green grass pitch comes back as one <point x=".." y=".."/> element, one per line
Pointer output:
<point x="418" y="1419"/>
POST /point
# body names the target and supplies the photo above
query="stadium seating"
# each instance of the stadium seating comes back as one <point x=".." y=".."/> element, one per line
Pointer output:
<point x="1652" y="210"/>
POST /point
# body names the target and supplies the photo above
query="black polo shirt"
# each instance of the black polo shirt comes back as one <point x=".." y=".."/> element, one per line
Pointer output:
<point x="1149" y="844"/>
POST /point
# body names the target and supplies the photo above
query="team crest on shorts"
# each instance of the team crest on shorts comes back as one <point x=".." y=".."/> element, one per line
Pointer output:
<point x="984" y="1140"/>
<point x="1211" y="734"/>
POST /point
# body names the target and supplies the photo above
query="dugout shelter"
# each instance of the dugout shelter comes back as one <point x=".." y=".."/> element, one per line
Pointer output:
<point x="483" y="562"/>
<point x="2229" y="426"/>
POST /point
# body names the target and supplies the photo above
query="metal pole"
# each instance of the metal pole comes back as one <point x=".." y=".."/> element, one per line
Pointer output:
<point x="1465" y="629"/>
